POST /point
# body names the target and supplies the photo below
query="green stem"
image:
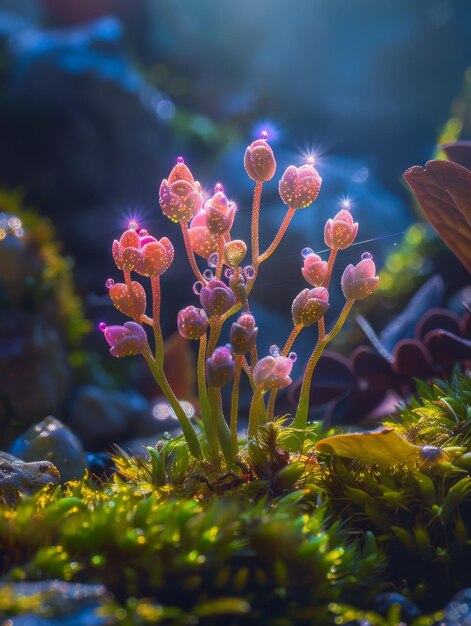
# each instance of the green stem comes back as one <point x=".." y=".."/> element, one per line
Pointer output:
<point x="159" y="340"/>
<point x="257" y="413"/>
<point x="205" y="406"/>
<point x="257" y="197"/>
<point x="215" y="325"/>
<point x="300" y="419"/>
<point x="235" y="404"/>
<point x="219" y="424"/>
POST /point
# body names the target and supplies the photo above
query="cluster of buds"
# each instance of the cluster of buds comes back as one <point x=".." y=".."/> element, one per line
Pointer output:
<point x="223" y="289"/>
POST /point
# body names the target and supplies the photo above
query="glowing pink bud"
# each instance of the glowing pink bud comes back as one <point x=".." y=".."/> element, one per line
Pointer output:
<point x="272" y="372"/>
<point x="220" y="367"/>
<point x="127" y="340"/>
<point x="340" y="232"/>
<point x="180" y="195"/>
<point x="310" y="305"/>
<point x="359" y="281"/>
<point x="122" y="300"/>
<point x="202" y="241"/>
<point x="192" y="322"/>
<point x="219" y="213"/>
<point x="314" y="270"/>
<point x="300" y="186"/>
<point x="156" y="258"/>
<point x="259" y="161"/>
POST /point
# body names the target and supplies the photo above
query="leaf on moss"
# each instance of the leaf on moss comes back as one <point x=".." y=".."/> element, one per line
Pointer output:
<point x="443" y="190"/>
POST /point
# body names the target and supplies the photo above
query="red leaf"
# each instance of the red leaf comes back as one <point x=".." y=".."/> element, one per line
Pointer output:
<point x="443" y="190"/>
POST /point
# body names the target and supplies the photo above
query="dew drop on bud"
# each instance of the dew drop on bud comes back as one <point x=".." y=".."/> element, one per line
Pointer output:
<point x="305" y="252"/>
<point x="310" y="160"/>
<point x="208" y="274"/>
<point x="213" y="259"/>
<point x="274" y="351"/>
<point x="249" y="272"/>
<point x="109" y="283"/>
<point x="133" y="225"/>
<point x="345" y="204"/>
<point x="228" y="272"/>
<point x="293" y="356"/>
<point x="180" y="160"/>
<point x="218" y="188"/>
<point x="264" y="135"/>
<point x="143" y="232"/>
<point x="366" y="256"/>
<point x="197" y="287"/>
<point x="102" y="326"/>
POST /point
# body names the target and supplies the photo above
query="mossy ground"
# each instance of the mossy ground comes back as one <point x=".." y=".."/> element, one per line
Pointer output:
<point x="285" y="538"/>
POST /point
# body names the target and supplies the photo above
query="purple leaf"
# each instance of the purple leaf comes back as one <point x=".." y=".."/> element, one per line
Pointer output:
<point x="411" y="359"/>
<point x="435" y="319"/>
<point x="458" y="152"/>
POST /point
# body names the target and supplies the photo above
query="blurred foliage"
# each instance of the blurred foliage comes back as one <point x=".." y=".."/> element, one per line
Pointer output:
<point x="55" y="277"/>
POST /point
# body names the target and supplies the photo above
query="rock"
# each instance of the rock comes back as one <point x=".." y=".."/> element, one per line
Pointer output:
<point x="18" y="476"/>
<point x="102" y="417"/>
<point x="61" y="603"/>
<point x="50" y="439"/>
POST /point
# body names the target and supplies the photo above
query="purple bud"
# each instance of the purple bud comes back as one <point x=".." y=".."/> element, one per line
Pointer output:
<point x="359" y="281"/>
<point x="259" y="161"/>
<point x="220" y="367"/>
<point x="340" y="232"/>
<point x="192" y="322"/>
<point x="216" y="298"/>
<point x="273" y="372"/>
<point x="299" y="186"/>
<point x="243" y="334"/>
<point x="309" y="306"/>
<point x="126" y="340"/>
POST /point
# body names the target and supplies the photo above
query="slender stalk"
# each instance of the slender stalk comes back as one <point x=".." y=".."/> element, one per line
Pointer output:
<point x="220" y="264"/>
<point x="257" y="197"/>
<point x="205" y="407"/>
<point x="186" y="426"/>
<point x="330" y="267"/>
<point x="300" y="419"/>
<point x="191" y="254"/>
<point x="215" y="325"/>
<point x="278" y="237"/>
<point x="159" y="341"/>
<point x="220" y="425"/>
<point x="248" y="372"/>
<point x="253" y="356"/>
<point x="257" y="413"/>
<point x="235" y="403"/>
<point x="274" y="392"/>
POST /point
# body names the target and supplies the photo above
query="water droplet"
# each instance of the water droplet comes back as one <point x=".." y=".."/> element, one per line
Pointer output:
<point x="275" y="351"/>
<point x="180" y="160"/>
<point x="310" y="160"/>
<point x="264" y="135"/>
<point x="143" y="232"/>
<point x="218" y="188"/>
<point x="345" y="204"/>
<point x="208" y="274"/>
<point x="293" y="356"/>
<point x="133" y="225"/>
<point x="102" y="326"/>
<point x="109" y="283"/>
<point x="228" y="272"/>
<point x="197" y="287"/>
<point x="213" y="259"/>
<point x="166" y="435"/>
<point x="366" y="256"/>
<point x="249" y="272"/>
<point x="305" y="252"/>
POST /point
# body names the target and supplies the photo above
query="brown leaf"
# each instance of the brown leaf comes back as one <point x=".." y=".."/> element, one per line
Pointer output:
<point x="443" y="190"/>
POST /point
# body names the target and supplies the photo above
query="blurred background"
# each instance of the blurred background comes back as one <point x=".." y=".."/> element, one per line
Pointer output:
<point x="99" y="97"/>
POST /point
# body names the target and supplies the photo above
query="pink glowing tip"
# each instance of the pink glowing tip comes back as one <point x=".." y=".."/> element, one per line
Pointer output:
<point x="133" y="225"/>
<point x="180" y="159"/>
<point x="109" y="283"/>
<point x="218" y="188"/>
<point x="264" y="135"/>
<point x="345" y="204"/>
<point x="311" y="159"/>
<point x="102" y="327"/>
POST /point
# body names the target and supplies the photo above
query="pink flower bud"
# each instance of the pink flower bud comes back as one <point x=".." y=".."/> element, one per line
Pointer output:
<point x="220" y="367"/>
<point x="145" y="255"/>
<point x="272" y="372"/>
<point x="219" y="213"/>
<point x="259" y="161"/>
<point x="359" y="281"/>
<point x="243" y="334"/>
<point x="299" y="186"/>
<point x="192" y="322"/>
<point x="310" y="305"/>
<point x="126" y="340"/>
<point x="216" y="297"/>
<point x="340" y="232"/>
<point x="180" y="195"/>
<point x="122" y="300"/>
<point x="314" y="270"/>
<point x="202" y="241"/>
